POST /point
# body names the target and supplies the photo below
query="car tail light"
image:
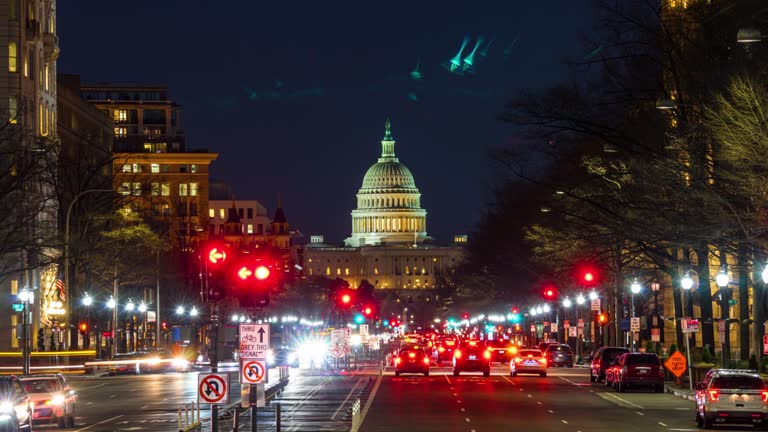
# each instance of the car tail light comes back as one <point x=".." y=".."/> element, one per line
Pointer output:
<point x="425" y="360"/>
<point x="440" y="349"/>
<point x="487" y="354"/>
<point x="765" y="396"/>
<point x="543" y="361"/>
<point x="472" y="343"/>
<point x="412" y="355"/>
<point x="714" y="395"/>
<point x="450" y="343"/>
<point x="457" y="354"/>
<point x="397" y="360"/>
<point x="518" y="359"/>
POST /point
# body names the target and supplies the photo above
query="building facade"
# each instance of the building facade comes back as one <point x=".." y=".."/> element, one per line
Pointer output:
<point x="28" y="142"/>
<point x="389" y="246"/>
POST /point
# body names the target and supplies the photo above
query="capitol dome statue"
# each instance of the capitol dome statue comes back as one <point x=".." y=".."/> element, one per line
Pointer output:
<point x="388" y="204"/>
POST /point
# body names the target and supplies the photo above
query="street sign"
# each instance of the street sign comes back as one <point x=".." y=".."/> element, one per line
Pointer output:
<point x="572" y="331"/>
<point x="18" y="307"/>
<point x="253" y="371"/>
<point x="596" y="305"/>
<point x="765" y="344"/>
<point x="690" y="325"/>
<point x="554" y="328"/>
<point x="624" y="324"/>
<point x="580" y="323"/>
<point x="254" y="341"/>
<point x="655" y="335"/>
<point x="213" y="388"/>
<point x="364" y="333"/>
<point x="634" y="324"/>
<point x="533" y="327"/>
<point x="566" y="323"/>
<point x="676" y="364"/>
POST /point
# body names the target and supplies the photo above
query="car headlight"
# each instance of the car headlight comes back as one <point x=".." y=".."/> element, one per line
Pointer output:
<point x="56" y="400"/>
<point x="6" y="407"/>
<point x="179" y="363"/>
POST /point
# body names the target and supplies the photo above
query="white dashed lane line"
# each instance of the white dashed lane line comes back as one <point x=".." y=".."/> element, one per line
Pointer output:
<point x="550" y="411"/>
<point x="467" y="419"/>
<point x="463" y="410"/>
<point x="639" y="413"/>
<point x="564" y="421"/>
<point x="539" y="403"/>
<point x="663" y="424"/>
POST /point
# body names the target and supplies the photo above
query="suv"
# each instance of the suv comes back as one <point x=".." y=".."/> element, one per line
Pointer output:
<point x="559" y="355"/>
<point x="603" y="357"/>
<point x="732" y="397"/>
<point x="502" y="351"/>
<point x="471" y="356"/>
<point x="53" y="398"/>
<point x="444" y="348"/>
<point x="639" y="369"/>
<point x="16" y="408"/>
<point x="411" y="360"/>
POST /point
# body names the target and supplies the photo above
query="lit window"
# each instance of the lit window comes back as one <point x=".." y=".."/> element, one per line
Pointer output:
<point x="155" y="168"/>
<point x="26" y="66"/>
<point x="13" y="109"/>
<point x="375" y="270"/>
<point x="310" y="272"/>
<point x="126" y="168"/>
<point x="136" y="168"/>
<point x="346" y="271"/>
<point x="250" y="229"/>
<point x="121" y="115"/>
<point x="193" y="189"/>
<point x="183" y="189"/>
<point x="155" y="189"/>
<point x="125" y="189"/>
<point x="222" y="213"/>
<point x="121" y="132"/>
<point x="137" y="189"/>
<point x="12" y="56"/>
<point x="327" y="271"/>
<point x="211" y="213"/>
<point x="43" y="125"/>
<point x="47" y="74"/>
<point x="193" y="168"/>
<point x="338" y="271"/>
<point x="165" y="189"/>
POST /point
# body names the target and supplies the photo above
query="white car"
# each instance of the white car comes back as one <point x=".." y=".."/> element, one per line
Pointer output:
<point x="528" y="361"/>
<point x="732" y="397"/>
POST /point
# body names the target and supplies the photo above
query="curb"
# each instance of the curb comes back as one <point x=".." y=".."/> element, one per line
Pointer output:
<point x="679" y="393"/>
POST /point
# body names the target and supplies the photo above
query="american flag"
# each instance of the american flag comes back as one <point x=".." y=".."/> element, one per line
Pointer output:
<point x="61" y="288"/>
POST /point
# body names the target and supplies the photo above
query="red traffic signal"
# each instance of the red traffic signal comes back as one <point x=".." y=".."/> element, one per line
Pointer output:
<point x="515" y="310"/>
<point x="344" y="298"/>
<point x="367" y="311"/>
<point x="262" y="272"/>
<point x="83" y="327"/>
<point x="588" y="276"/>
<point x="550" y="293"/>
<point x="465" y="316"/>
<point x="216" y="254"/>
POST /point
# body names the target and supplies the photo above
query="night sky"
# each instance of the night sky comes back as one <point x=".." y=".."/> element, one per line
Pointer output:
<point x="293" y="95"/>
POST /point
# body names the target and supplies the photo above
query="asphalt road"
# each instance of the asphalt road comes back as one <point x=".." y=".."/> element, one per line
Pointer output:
<point x="563" y="401"/>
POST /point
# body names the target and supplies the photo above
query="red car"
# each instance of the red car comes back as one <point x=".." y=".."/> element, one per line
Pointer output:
<point x="639" y="370"/>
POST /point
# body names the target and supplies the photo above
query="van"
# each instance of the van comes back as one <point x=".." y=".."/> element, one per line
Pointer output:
<point x="602" y="359"/>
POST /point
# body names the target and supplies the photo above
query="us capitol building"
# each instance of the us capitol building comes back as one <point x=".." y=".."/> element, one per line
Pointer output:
<point x="389" y="245"/>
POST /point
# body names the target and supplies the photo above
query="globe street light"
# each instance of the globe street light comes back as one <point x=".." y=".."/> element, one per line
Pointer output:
<point x="193" y="311"/>
<point x="180" y="310"/>
<point x="567" y="302"/>
<point x="580" y="299"/>
<point x="539" y="310"/>
<point x="593" y="295"/>
<point x="724" y="295"/>
<point x="130" y="306"/>
<point x="142" y="307"/>
<point x="687" y="284"/>
<point x="87" y="300"/>
<point x="546" y="308"/>
<point x="635" y="288"/>
<point x="111" y="302"/>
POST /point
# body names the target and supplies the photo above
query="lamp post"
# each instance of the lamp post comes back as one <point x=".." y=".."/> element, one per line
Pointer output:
<point x="635" y="288"/>
<point x="129" y="307"/>
<point x="112" y="325"/>
<point x="655" y="287"/>
<point x="26" y="297"/>
<point x="68" y="323"/>
<point x="143" y="311"/>
<point x="724" y="294"/>
<point x="687" y="284"/>
<point x="87" y="302"/>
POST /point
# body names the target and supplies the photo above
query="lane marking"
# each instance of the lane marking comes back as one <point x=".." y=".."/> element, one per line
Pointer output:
<point x="354" y="387"/>
<point x="463" y="410"/>
<point x="467" y="419"/>
<point x="90" y="387"/>
<point x="370" y="400"/>
<point x="112" y="396"/>
<point x="458" y="400"/>
<point x="639" y="413"/>
<point x="510" y="381"/>
<point x="621" y="399"/>
<point x="530" y="396"/>
<point x="449" y="381"/>
<point x="455" y="394"/>
<point x="551" y="412"/>
<point x="564" y="421"/>
<point x="663" y="424"/>
<point x="539" y="403"/>
<point x="145" y="407"/>
<point x="102" y="422"/>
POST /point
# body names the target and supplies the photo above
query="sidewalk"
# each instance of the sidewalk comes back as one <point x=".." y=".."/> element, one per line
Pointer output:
<point x="679" y="391"/>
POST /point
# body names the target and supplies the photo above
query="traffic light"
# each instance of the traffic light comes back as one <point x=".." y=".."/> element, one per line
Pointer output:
<point x="368" y="311"/>
<point x="359" y="319"/>
<point x="588" y="277"/>
<point x="165" y="326"/>
<point x="550" y="293"/>
<point x="253" y="277"/>
<point x="345" y="299"/>
<point x="515" y="315"/>
<point x="83" y="328"/>
<point x="602" y="318"/>
<point x="216" y="261"/>
<point x="465" y="316"/>
<point x="40" y="340"/>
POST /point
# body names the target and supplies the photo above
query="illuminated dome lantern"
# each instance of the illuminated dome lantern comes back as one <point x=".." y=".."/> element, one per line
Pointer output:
<point x="389" y="204"/>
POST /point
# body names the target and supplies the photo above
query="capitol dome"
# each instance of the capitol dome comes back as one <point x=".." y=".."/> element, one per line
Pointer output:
<point x="388" y="204"/>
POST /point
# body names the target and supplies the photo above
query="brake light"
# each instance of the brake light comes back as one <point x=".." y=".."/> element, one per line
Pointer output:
<point x="518" y="359"/>
<point x="450" y="343"/>
<point x="714" y="395"/>
<point x="397" y="360"/>
<point x="412" y="355"/>
<point x="441" y="349"/>
<point x="765" y="396"/>
<point x="457" y="354"/>
<point x="487" y="354"/>
<point x="425" y="360"/>
<point x="530" y="355"/>
<point x="472" y="343"/>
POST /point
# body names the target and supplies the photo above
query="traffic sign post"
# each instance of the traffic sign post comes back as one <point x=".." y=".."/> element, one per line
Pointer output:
<point x="213" y="388"/>
<point x="765" y="344"/>
<point x="254" y="341"/>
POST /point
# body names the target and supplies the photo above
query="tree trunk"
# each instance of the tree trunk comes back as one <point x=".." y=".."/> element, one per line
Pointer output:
<point x="743" y="260"/>
<point x="705" y="299"/>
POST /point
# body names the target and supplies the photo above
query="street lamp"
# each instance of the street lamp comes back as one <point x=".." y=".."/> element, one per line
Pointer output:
<point x="546" y="308"/>
<point x="26" y="297"/>
<point x="655" y="287"/>
<point x="87" y="302"/>
<point x="130" y="306"/>
<point x="68" y="324"/>
<point x="580" y="300"/>
<point x="635" y="288"/>
<point x="593" y="295"/>
<point x="567" y="302"/>
<point x="724" y="294"/>
<point x="193" y="311"/>
<point x="539" y="310"/>
<point x="687" y="284"/>
<point x="180" y="310"/>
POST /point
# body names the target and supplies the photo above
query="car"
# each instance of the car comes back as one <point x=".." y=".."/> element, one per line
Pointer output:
<point x="501" y="350"/>
<point x="528" y="361"/>
<point x="600" y="361"/>
<point x="16" y="407"/>
<point x="444" y="348"/>
<point x="54" y="400"/>
<point x="732" y="397"/>
<point x="471" y="356"/>
<point x="282" y="357"/>
<point x="639" y="370"/>
<point x="412" y="360"/>
<point x="559" y="355"/>
<point x="543" y="345"/>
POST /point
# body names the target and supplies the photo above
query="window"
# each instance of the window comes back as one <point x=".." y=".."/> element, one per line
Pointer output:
<point x="193" y="168"/>
<point x="183" y="169"/>
<point x="121" y="132"/>
<point x="126" y="168"/>
<point x="47" y="74"/>
<point x="13" y="109"/>
<point x="120" y="115"/>
<point x="137" y="189"/>
<point x="260" y="229"/>
<point x="13" y="9"/>
<point x="250" y="229"/>
<point x="26" y="66"/>
<point x="125" y="189"/>
<point x="154" y="168"/>
<point x="193" y="189"/>
<point x="136" y="168"/>
<point x="250" y="213"/>
<point x="183" y="189"/>
<point x="155" y="189"/>
<point x="43" y="120"/>
<point x="222" y="213"/>
<point x="12" y="57"/>
<point x="240" y="213"/>
<point x="346" y="271"/>
<point x="164" y="168"/>
<point x="165" y="189"/>
<point x="211" y="213"/>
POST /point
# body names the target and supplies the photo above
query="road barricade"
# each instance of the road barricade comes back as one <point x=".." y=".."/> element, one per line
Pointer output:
<point x="187" y="422"/>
